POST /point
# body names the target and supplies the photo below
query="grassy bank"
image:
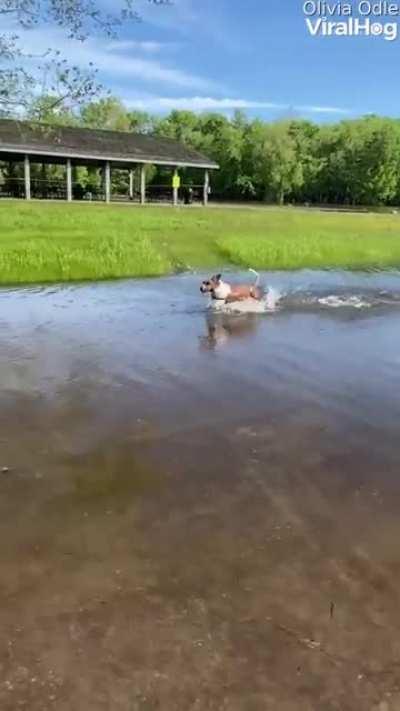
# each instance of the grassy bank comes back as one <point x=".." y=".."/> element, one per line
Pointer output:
<point x="53" y="242"/>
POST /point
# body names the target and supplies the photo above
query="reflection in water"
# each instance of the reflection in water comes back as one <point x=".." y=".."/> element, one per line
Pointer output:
<point x="221" y="327"/>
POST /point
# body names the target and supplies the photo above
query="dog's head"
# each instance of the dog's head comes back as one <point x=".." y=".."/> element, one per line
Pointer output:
<point x="209" y="285"/>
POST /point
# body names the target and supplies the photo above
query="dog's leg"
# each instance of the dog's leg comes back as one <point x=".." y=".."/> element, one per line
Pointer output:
<point x="256" y="293"/>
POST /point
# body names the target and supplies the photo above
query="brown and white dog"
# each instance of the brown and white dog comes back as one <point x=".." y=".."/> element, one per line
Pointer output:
<point x="223" y="291"/>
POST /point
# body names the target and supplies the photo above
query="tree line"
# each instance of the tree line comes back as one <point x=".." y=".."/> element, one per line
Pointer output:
<point x="353" y="162"/>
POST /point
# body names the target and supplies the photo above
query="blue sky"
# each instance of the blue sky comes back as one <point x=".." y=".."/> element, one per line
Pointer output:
<point x="226" y="54"/>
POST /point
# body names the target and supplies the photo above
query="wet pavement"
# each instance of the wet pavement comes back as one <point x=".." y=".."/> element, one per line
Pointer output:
<point x="200" y="511"/>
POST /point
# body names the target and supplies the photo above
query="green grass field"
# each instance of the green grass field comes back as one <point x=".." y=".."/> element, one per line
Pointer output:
<point x="42" y="242"/>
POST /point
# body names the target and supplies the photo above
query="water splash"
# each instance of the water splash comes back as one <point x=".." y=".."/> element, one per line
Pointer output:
<point x="272" y="299"/>
<point x="334" y="301"/>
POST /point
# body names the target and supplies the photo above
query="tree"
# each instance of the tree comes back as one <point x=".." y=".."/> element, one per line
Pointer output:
<point x="65" y="84"/>
<point x="304" y="135"/>
<point x="366" y="160"/>
<point x="181" y="125"/>
<point x="223" y="140"/>
<point x="273" y="151"/>
<point x="107" y="113"/>
<point x="43" y="108"/>
<point x="142" y="122"/>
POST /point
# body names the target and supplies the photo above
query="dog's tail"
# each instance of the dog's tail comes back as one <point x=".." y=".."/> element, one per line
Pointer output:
<point x="257" y="282"/>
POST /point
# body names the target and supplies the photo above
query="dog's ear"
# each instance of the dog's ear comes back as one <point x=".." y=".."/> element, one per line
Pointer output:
<point x="218" y="277"/>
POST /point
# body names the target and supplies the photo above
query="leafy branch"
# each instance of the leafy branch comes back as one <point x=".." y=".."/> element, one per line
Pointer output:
<point x="66" y="84"/>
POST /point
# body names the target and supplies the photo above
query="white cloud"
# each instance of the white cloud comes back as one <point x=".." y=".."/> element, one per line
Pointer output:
<point x="132" y="65"/>
<point x="197" y="20"/>
<point x="208" y="103"/>
<point x="148" y="47"/>
<point x="114" y="67"/>
<point x="179" y="15"/>
<point x="322" y="110"/>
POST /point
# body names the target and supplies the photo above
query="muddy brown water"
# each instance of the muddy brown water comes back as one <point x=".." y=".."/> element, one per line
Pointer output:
<point x="200" y="511"/>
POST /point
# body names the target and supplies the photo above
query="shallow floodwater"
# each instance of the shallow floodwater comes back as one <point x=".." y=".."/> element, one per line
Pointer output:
<point x="200" y="510"/>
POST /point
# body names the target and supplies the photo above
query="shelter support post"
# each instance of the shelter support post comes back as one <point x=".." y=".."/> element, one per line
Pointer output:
<point x="206" y="187"/>
<point x="107" y="181"/>
<point x="27" y="175"/>
<point x="69" y="180"/>
<point x="131" y="176"/>
<point x="142" y="184"/>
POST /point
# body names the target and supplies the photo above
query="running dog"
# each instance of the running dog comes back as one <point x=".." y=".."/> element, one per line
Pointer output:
<point x="229" y="293"/>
